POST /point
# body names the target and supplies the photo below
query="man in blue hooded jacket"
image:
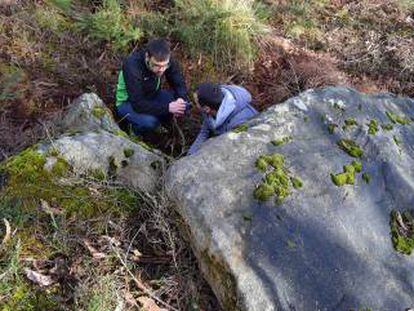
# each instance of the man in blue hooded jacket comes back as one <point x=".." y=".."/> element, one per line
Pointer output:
<point x="224" y="108"/>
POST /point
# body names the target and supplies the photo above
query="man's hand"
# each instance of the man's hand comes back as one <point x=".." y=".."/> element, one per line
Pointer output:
<point x="177" y="107"/>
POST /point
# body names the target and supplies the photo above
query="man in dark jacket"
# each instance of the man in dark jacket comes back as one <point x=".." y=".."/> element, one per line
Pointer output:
<point x="139" y="98"/>
<point x="224" y="108"/>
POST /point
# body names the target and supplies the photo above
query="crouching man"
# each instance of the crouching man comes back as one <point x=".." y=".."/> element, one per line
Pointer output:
<point x="224" y="108"/>
<point x="139" y="97"/>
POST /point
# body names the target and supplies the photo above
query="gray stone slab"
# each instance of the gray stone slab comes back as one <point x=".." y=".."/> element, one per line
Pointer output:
<point x="325" y="247"/>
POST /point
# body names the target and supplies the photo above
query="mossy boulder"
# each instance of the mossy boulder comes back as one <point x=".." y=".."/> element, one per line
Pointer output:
<point x="322" y="246"/>
<point x="87" y="113"/>
<point x="105" y="155"/>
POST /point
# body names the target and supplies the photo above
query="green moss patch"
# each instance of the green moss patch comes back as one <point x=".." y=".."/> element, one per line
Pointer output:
<point x="128" y="152"/>
<point x="28" y="182"/>
<point x="387" y="127"/>
<point x="373" y="127"/>
<point x="394" y="118"/>
<point x="121" y="133"/>
<point x="350" y="147"/>
<point x="51" y="210"/>
<point x="277" y="181"/>
<point x="402" y="231"/>
<point x="296" y="182"/>
<point x="98" y="112"/>
<point x="348" y="174"/>
<point x="282" y="141"/>
<point x="241" y="128"/>
<point x="348" y="123"/>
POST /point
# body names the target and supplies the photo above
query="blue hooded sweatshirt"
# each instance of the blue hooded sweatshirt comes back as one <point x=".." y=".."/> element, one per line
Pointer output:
<point x="234" y="110"/>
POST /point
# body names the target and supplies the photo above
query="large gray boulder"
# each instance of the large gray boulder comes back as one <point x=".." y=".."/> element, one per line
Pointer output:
<point x="324" y="247"/>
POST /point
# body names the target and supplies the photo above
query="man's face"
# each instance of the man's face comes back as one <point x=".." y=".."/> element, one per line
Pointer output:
<point x="156" y="66"/>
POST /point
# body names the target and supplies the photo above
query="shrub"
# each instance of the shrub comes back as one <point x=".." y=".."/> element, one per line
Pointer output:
<point x="225" y="29"/>
<point x="110" y="23"/>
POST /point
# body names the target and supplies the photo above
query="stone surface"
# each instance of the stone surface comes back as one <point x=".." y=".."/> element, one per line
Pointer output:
<point x="93" y="144"/>
<point x="88" y="113"/>
<point x="324" y="247"/>
<point x="104" y="154"/>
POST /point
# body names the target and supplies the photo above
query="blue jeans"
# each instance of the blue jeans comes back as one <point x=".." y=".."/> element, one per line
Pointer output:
<point x="142" y="122"/>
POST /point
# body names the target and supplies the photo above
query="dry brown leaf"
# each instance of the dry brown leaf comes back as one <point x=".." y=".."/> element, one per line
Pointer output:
<point x="149" y="305"/>
<point x="38" y="278"/>
<point x="94" y="252"/>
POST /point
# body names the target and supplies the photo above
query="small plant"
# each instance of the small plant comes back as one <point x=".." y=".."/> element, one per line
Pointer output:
<point x="110" y="23"/>
<point x="225" y="29"/>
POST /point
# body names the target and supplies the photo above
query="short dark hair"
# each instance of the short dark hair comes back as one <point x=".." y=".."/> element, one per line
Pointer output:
<point x="210" y="94"/>
<point x="159" y="49"/>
